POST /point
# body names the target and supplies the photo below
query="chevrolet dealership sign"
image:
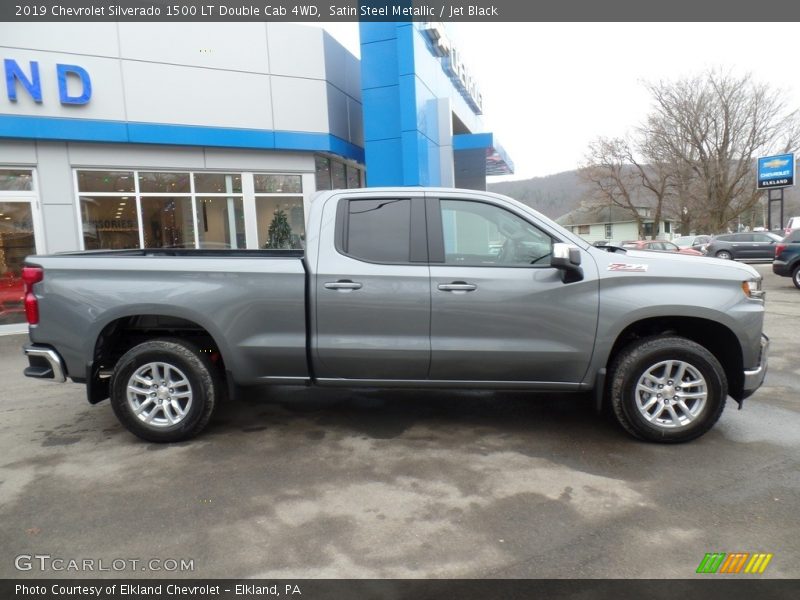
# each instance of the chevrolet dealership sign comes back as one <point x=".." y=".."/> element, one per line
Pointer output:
<point x="776" y="171"/>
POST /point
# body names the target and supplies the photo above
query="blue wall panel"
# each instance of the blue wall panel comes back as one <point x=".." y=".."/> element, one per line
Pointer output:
<point x="90" y="130"/>
<point x="402" y="81"/>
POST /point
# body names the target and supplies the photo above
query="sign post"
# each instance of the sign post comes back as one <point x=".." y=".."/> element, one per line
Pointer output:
<point x="775" y="173"/>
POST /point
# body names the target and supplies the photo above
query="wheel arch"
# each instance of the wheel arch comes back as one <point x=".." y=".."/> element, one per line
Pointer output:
<point x="119" y="334"/>
<point x="712" y="335"/>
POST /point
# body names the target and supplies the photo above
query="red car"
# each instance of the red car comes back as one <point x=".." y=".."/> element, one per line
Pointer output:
<point x="659" y="246"/>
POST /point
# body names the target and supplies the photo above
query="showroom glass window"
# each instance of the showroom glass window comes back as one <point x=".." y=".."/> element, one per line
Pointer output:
<point x="333" y="174"/>
<point x="166" y="208"/>
<point x="280" y="218"/>
<point x="17" y="240"/>
<point x="219" y="211"/>
<point x="108" y="209"/>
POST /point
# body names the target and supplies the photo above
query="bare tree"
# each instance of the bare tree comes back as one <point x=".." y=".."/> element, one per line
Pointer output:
<point x="711" y="128"/>
<point x="620" y="178"/>
<point x="612" y="181"/>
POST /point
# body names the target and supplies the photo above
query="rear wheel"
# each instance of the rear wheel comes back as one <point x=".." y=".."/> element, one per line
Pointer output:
<point x="165" y="390"/>
<point x="724" y="254"/>
<point x="667" y="389"/>
<point x="796" y="277"/>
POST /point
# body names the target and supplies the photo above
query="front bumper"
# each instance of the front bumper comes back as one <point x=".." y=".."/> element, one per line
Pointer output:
<point x="44" y="363"/>
<point x="753" y="378"/>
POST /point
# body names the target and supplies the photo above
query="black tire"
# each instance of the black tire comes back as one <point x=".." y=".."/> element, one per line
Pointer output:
<point x="203" y="383"/>
<point x="637" y="359"/>
<point x="724" y="254"/>
<point x="796" y="277"/>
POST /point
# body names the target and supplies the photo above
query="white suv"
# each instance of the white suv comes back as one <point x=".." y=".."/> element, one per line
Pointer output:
<point x="794" y="223"/>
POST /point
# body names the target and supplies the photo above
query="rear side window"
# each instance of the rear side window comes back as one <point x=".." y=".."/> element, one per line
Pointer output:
<point x="378" y="230"/>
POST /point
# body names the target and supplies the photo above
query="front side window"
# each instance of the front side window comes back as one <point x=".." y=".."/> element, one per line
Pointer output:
<point x="379" y="230"/>
<point x="479" y="234"/>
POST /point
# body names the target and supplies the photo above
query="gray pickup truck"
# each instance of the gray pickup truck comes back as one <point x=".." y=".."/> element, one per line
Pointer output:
<point x="409" y="287"/>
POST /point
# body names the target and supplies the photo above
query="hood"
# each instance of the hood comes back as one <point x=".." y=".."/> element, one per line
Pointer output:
<point x="667" y="264"/>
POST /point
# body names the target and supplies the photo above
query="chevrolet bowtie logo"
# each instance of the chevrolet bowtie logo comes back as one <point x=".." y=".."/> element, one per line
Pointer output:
<point x="734" y="562"/>
<point x="776" y="163"/>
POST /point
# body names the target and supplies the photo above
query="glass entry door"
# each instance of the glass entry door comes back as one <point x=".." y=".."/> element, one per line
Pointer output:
<point x="17" y="240"/>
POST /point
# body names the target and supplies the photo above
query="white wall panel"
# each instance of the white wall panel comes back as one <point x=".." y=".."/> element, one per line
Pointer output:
<point x="296" y="51"/>
<point x="299" y="104"/>
<point x="231" y="46"/>
<point x="98" y="39"/>
<point x="193" y="96"/>
<point x="244" y="160"/>
<point x="135" y="156"/>
<point x="17" y="152"/>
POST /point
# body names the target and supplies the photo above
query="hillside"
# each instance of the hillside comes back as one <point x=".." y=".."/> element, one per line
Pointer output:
<point x="553" y="196"/>
<point x="556" y="195"/>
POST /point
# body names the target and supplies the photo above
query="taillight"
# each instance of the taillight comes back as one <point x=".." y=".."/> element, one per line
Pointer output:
<point x="31" y="275"/>
<point x="779" y="248"/>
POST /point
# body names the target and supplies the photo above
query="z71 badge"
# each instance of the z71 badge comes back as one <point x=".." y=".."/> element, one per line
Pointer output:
<point x="629" y="267"/>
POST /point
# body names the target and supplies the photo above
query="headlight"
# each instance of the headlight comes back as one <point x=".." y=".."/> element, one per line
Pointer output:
<point x="752" y="288"/>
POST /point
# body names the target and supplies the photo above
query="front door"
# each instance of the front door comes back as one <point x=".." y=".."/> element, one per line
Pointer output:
<point x="763" y="246"/>
<point x="372" y="289"/>
<point x="499" y="312"/>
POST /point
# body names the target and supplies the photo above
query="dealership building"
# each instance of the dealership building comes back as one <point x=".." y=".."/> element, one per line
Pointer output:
<point x="217" y="135"/>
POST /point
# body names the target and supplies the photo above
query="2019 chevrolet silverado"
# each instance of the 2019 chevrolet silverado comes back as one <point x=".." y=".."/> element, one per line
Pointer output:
<point x="402" y="287"/>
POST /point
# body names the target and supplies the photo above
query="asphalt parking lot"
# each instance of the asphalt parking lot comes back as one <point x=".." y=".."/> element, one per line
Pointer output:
<point x="300" y="483"/>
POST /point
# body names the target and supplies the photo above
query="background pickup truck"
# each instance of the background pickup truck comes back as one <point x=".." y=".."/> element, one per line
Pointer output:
<point x="402" y="287"/>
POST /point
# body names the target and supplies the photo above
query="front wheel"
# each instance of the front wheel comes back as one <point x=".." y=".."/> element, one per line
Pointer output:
<point x="724" y="255"/>
<point x="667" y="389"/>
<point x="796" y="277"/>
<point x="164" y="390"/>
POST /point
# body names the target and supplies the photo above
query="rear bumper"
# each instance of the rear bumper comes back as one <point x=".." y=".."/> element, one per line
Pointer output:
<point x="782" y="268"/>
<point x="44" y="363"/>
<point x="753" y="378"/>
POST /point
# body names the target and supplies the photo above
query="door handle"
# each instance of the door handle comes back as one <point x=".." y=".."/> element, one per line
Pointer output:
<point x="343" y="284"/>
<point x="457" y="286"/>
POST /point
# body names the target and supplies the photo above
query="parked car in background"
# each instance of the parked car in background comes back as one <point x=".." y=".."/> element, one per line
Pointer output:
<point x="659" y="246"/>
<point x="787" y="257"/>
<point x="743" y="246"/>
<point x="792" y="225"/>
<point x="691" y="241"/>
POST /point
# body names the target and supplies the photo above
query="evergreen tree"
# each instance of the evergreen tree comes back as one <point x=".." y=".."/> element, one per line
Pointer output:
<point x="280" y="232"/>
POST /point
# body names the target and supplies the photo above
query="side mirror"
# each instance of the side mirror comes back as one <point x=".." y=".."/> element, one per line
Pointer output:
<point x="567" y="259"/>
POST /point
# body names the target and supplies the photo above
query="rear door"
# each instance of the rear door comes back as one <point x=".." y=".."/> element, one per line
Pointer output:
<point x="372" y="289"/>
<point x="499" y="312"/>
<point x="741" y="245"/>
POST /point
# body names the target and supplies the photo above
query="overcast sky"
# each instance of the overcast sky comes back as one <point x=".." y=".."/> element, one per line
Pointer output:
<point x="550" y="88"/>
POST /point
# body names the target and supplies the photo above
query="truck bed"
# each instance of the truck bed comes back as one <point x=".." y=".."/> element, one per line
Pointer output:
<point x="251" y="302"/>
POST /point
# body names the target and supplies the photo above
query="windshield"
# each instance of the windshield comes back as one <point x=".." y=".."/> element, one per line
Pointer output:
<point x="684" y="241"/>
